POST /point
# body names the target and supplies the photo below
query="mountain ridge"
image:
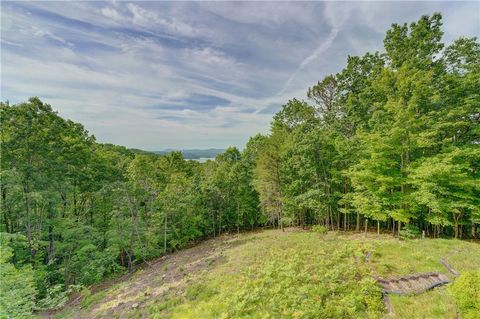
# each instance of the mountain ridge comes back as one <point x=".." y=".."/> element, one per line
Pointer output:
<point x="193" y="153"/>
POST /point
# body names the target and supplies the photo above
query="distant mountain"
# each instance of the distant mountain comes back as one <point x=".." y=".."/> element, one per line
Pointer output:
<point x="194" y="153"/>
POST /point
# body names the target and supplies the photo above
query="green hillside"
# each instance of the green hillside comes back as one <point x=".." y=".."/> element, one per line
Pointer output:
<point x="274" y="274"/>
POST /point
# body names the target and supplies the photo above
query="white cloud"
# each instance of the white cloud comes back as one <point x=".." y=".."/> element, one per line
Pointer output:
<point x="112" y="66"/>
<point x="208" y="56"/>
<point x="111" y="13"/>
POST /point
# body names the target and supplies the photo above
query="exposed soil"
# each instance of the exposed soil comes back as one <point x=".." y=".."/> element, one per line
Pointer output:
<point x="152" y="282"/>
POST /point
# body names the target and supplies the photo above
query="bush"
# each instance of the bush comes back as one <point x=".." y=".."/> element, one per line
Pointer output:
<point x="57" y="296"/>
<point x="17" y="285"/>
<point x="466" y="292"/>
<point x="410" y="232"/>
<point x="320" y="229"/>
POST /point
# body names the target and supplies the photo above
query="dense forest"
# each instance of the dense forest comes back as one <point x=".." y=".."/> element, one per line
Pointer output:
<point x="391" y="143"/>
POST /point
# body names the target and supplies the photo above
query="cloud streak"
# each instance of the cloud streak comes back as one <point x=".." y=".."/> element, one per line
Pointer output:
<point x="156" y="75"/>
<point x="312" y="57"/>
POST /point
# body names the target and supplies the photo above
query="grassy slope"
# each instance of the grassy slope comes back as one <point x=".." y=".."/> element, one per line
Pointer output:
<point x="271" y="274"/>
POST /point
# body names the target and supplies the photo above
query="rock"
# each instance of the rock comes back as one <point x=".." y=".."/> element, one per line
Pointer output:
<point x="135" y="306"/>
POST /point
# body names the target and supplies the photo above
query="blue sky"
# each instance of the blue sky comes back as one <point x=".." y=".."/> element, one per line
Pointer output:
<point x="155" y="75"/>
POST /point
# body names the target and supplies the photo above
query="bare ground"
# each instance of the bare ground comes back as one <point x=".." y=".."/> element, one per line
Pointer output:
<point x="166" y="276"/>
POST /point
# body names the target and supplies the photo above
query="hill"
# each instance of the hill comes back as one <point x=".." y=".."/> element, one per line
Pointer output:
<point x="274" y="274"/>
<point x="194" y="153"/>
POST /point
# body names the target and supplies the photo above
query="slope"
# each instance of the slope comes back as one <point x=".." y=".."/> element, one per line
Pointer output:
<point x="270" y="274"/>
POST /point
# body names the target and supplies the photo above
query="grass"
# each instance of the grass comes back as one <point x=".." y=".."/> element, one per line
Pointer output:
<point x="433" y="304"/>
<point x="298" y="275"/>
<point x="92" y="299"/>
<point x="271" y="274"/>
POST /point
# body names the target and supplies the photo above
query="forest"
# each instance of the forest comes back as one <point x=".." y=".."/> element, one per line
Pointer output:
<point x="389" y="144"/>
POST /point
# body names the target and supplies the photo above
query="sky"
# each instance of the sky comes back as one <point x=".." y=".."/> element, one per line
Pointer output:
<point x="155" y="75"/>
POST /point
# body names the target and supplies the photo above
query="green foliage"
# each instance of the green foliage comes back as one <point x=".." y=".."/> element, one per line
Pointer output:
<point x="320" y="229"/>
<point x="157" y="309"/>
<point x="57" y="296"/>
<point x="77" y="212"/>
<point x="294" y="276"/>
<point x="90" y="299"/>
<point x="17" y="288"/>
<point x="391" y="138"/>
<point x="199" y="292"/>
<point x="410" y="232"/>
<point x="466" y="292"/>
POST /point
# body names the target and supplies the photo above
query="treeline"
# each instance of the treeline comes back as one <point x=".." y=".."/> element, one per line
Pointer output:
<point x="391" y="140"/>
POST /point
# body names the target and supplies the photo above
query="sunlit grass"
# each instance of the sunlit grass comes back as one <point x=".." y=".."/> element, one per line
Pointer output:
<point x="270" y="274"/>
<point x="289" y="275"/>
<point x="433" y="304"/>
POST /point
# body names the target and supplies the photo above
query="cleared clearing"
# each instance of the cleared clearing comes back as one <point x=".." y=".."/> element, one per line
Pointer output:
<point x="270" y="274"/>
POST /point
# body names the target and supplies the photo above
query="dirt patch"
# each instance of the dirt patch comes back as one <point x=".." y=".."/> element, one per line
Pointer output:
<point x="168" y="275"/>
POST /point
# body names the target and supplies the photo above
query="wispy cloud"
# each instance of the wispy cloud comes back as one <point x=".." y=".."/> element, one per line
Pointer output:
<point x="312" y="57"/>
<point x="189" y="74"/>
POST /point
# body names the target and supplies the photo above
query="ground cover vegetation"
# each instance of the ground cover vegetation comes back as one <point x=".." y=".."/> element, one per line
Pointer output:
<point x="291" y="274"/>
<point x="390" y="142"/>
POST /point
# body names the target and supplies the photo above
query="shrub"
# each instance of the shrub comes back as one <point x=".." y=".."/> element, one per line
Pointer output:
<point x="17" y="291"/>
<point x="57" y="296"/>
<point x="410" y="232"/>
<point x="466" y="292"/>
<point x="320" y="229"/>
<point x="17" y="285"/>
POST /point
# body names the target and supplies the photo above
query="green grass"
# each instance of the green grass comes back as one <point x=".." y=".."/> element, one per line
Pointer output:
<point x="295" y="275"/>
<point x="91" y="299"/>
<point x="393" y="257"/>
<point x="436" y="303"/>
<point x="326" y="258"/>
<point x="271" y="274"/>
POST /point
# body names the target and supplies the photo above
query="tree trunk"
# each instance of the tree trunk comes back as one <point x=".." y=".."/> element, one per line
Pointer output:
<point x="357" y="227"/>
<point x="27" y="222"/>
<point x="50" y="232"/>
<point x="378" y="227"/>
<point x="366" y="226"/>
<point x="75" y="204"/>
<point x="331" y="218"/>
<point x="92" y="208"/>
<point x="213" y="222"/>
<point x="133" y="213"/>
<point x="64" y="201"/>
<point x="4" y="209"/>
<point x="165" y="235"/>
<point x="281" y="220"/>
<point x="338" y="220"/>
<point x="238" y="218"/>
